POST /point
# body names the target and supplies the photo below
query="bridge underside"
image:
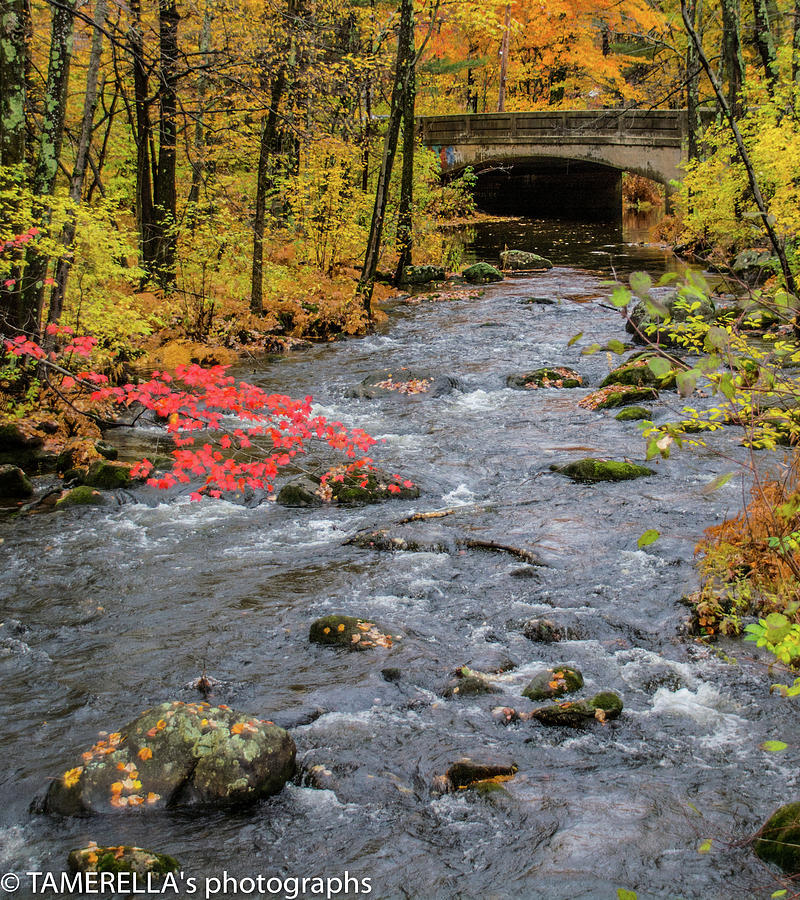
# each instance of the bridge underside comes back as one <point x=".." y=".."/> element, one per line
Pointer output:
<point x="551" y="187"/>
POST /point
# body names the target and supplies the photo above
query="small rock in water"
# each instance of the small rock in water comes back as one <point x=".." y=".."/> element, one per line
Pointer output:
<point x="121" y="859"/>
<point x="603" y="706"/>
<point x="553" y="682"/>
<point x="468" y="683"/>
<point x="546" y="377"/>
<point x="83" y="495"/>
<point x="633" y="414"/>
<point x="482" y="273"/>
<point x="423" y="274"/>
<point x="350" y="632"/>
<point x="468" y="771"/>
<point x="543" y="631"/>
<point x="108" y="475"/>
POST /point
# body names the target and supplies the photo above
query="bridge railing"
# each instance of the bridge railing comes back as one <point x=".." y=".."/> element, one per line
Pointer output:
<point x="666" y="127"/>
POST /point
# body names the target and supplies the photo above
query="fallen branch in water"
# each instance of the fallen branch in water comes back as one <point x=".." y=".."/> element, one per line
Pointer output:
<point x="477" y="544"/>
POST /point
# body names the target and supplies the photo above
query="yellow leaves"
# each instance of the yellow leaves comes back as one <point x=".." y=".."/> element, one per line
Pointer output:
<point x="340" y="627"/>
<point x="72" y="776"/>
<point x="153" y="798"/>
<point x="145" y="753"/>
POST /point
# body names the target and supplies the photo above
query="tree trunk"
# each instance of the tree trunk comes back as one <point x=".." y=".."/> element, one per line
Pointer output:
<point x="796" y="43"/>
<point x="31" y="295"/>
<point x="143" y="137"/>
<point x="504" y="47"/>
<point x="732" y="59"/>
<point x="199" y="143"/>
<point x="164" y="188"/>
<point x="766" y="44"/>
<point x="81" y="163"/>
<point x="14" y="34"/>
<point x="267" y="148"/>
<point x="405" y="42"/>
<point x="695" y="13"/>
<point x="405" y="236"/>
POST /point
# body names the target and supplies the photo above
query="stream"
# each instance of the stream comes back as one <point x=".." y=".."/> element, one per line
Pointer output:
<point x="114" y="610"/>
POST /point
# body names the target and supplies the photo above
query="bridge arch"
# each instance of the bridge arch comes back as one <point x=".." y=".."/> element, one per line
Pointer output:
<point x="577" y="156"/>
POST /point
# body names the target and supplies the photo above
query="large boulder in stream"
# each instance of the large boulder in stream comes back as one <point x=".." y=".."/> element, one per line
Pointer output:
<point x="482" y="273"/>
<point x="350" y="632"/>
<point x="589" y="471"/>
<point x="108" y="475"/>
<point x="523" y="261"/>
<point x="778" y="841"/>
<point x="346" y="489"/>
<point x="637" y="373"/>
<point x="176" y="755"/>
<point x="617" y="395"/>
<point x="402" y="382"/>
<point x="83" y="495"/>
<point x="546" y="377"/>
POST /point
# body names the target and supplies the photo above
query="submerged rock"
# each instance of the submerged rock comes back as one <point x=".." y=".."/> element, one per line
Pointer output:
<point x="778" y="841"/>
<point x="346" y="488"/>
<point x="523" y="261"/>
<point x="603" y="706"/>
<point x="83" y="495"/>
<point x="549" y="376"/>
<point x="589" y="471"/>
<point x="175" y="755"/>
<point x="121" y="859"/>
<point x="350" y="632"/>
<point x="543" y="631"/>
<point x="423" y="274"/>
<point x="553" y="682"/>
<point x="633" y="414"/>
<point x="108" y="475"/>
<point x="482" y="273"/>
<point x="14" y="483"/>
<point x="403" y="382"/>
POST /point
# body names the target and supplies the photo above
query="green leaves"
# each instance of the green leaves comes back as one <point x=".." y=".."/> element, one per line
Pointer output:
<point x="773" y="746"/>
<point x="686" y="383"/>
<point x="641" y="283"/>
<point x="705" y="846"/>
<point x="575" y="338"/>
<point x="623" y="894"/>
<point x="649" y="537"/>
<point x="659" y="366"/>
<point x="616" y="347"/>
<point x="620" y="296"/>
<point x="717" y="483"/>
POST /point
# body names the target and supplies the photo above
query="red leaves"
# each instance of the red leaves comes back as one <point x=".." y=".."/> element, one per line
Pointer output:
<point x="197" y="399"/>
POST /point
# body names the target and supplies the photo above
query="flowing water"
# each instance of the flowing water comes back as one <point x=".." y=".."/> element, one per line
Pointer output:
<point x="113" y="610"/>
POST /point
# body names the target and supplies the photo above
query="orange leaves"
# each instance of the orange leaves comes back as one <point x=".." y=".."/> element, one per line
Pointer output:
<point x="145" y="753"/>
<point x="238" y="728"/>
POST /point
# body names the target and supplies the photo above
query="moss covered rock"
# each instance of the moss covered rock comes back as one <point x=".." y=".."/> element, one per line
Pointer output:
<point x="603" y="706"/>
<point x="482" y="273"/>
<point x="175" y="755"/>
<point x="350" y="632"/>
<point x="108" y="475"/>
<point x="633" y="414"/>
<point x="637" y="373"/>
<point x="19" y="447"/>
<point x="617" y="395"/>
<point x="553" y="682"/>
<point x="467" y="771"/>
<point x="546" y="377"/>
<point x="346" y="489"/>
<point x="664" y="327"/>
<point x="469" y="683"/>
<point x="83" y="495"/>
<point x="423" y="274"/>
<point x="523" y="261"/>
<point x="14" y="483"/>
<point x="589" y="471"/>
<point x="121" y="859"/>
<point x="778" y="841"/>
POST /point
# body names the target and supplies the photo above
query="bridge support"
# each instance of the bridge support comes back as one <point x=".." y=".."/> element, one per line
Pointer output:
<point x="553" y="188"/>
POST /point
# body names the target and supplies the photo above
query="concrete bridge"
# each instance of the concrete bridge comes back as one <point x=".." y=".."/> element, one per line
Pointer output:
<point x="566" y="162"/>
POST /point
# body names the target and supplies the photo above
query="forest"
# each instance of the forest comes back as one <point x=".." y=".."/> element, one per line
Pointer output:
<point x="366" y="526"/>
